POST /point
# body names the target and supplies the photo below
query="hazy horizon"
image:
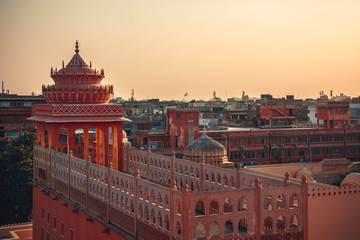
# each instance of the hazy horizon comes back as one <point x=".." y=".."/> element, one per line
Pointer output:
<point x="164" y="49"/>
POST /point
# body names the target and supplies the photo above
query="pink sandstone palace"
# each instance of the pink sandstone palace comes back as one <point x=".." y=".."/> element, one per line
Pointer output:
<point x="89" y="183"/>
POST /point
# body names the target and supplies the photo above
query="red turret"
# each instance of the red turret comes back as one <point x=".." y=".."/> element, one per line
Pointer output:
<point x="77" y="115"/>
<point x="77" y="83"/>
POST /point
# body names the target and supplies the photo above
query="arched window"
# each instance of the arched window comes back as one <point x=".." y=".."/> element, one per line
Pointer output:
<point x="228" y="206"/>
<point x="268" y="203"/>
<point x="280" y="202"/>
<point x="242" y="227"/>
<point x="191" y="186"/>
<point x="152" y="217"/>
<point x="178" y="207"/>
<point x="140" y="211"/>
<point x="294" y="221"/>
<point x="268" y="224"/>
<point x="200" y="208"/>
<point x="214" y="207"/>
<point x="146" y="194"/>
<point x="218" y="178"/>
<point x="159" y="200"/>
<point x="166" y="202"/>
<point x="178" y="229"/>
<point x="226" y="181"/>
<point x="147" y="217"/>
<point x="167" y="223"/>
<point x="232" y="181"/>
<point x="242" y="204"/>
<point x="152" y="196"/>
<point x="294" y="201"/>
<point x="132" y="206"/>
<point x="200" y="231"/>
<point x="159" y="220"/>
<point x="215" y="230"/>
<point x="281" y="223"/>
<point x="229" y="228"/>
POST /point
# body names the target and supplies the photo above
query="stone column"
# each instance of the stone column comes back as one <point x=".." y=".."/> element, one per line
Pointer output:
<point x="115" y="147"/>
<point x="99" y="146"/>
<point x="106" y="146"/>
<point x="86" y="142"/>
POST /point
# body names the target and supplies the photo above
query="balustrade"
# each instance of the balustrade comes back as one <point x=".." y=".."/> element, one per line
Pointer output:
<point x="132" y="202"/>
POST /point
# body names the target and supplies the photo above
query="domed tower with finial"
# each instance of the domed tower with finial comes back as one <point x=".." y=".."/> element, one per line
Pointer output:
<point x="72" y="80"/>
<point x="78" y="105"/>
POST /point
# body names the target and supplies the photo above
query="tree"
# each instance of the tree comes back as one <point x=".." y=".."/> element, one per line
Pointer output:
<point x="16" y="164"/>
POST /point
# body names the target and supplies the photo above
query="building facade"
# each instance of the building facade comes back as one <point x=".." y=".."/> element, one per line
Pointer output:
<point x="14" y="111"/>
<point x="125" y="193"/>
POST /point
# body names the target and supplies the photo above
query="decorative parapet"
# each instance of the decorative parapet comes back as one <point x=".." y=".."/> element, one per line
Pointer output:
<point x="78" y="94"/>
<point x="333" y="192"/>
<point x="59" y="110"/>
<point x="142" y="206"/>
<point x="86" y="109"/>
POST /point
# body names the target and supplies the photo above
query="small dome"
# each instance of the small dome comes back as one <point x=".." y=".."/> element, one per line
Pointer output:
<point x="304" y="172"/>
<point x="352" y="179"/>
<point x="205" y="146"/>
<point x="214" y="153"/>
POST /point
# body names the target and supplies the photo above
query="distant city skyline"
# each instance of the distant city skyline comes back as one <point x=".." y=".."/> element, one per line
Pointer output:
<point x="165" y="49"/>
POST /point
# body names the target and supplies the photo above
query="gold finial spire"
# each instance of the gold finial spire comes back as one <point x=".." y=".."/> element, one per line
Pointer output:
<point x="77" y="47"/>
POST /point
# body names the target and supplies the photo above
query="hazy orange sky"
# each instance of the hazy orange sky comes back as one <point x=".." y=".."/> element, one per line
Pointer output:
<point x="166" y="48"/>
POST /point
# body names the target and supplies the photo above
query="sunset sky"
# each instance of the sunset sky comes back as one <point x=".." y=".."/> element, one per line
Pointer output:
<point x="163" y="49"/>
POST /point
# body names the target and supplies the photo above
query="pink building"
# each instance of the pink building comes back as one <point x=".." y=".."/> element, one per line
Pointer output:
<point x="277" y="115"/>
<point x="335" y="114"/>
<point x="132" y="194"/>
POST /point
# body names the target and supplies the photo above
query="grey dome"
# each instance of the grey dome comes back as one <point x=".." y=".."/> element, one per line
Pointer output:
<point x="205" y="146"/>
<point x="214" y="153"/>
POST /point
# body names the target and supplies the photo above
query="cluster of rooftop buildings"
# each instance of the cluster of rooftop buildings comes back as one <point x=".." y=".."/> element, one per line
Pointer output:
<point x="144" y="169"/>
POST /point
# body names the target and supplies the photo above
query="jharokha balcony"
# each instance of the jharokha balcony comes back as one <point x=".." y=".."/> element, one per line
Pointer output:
<point x="162" y="197"/>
